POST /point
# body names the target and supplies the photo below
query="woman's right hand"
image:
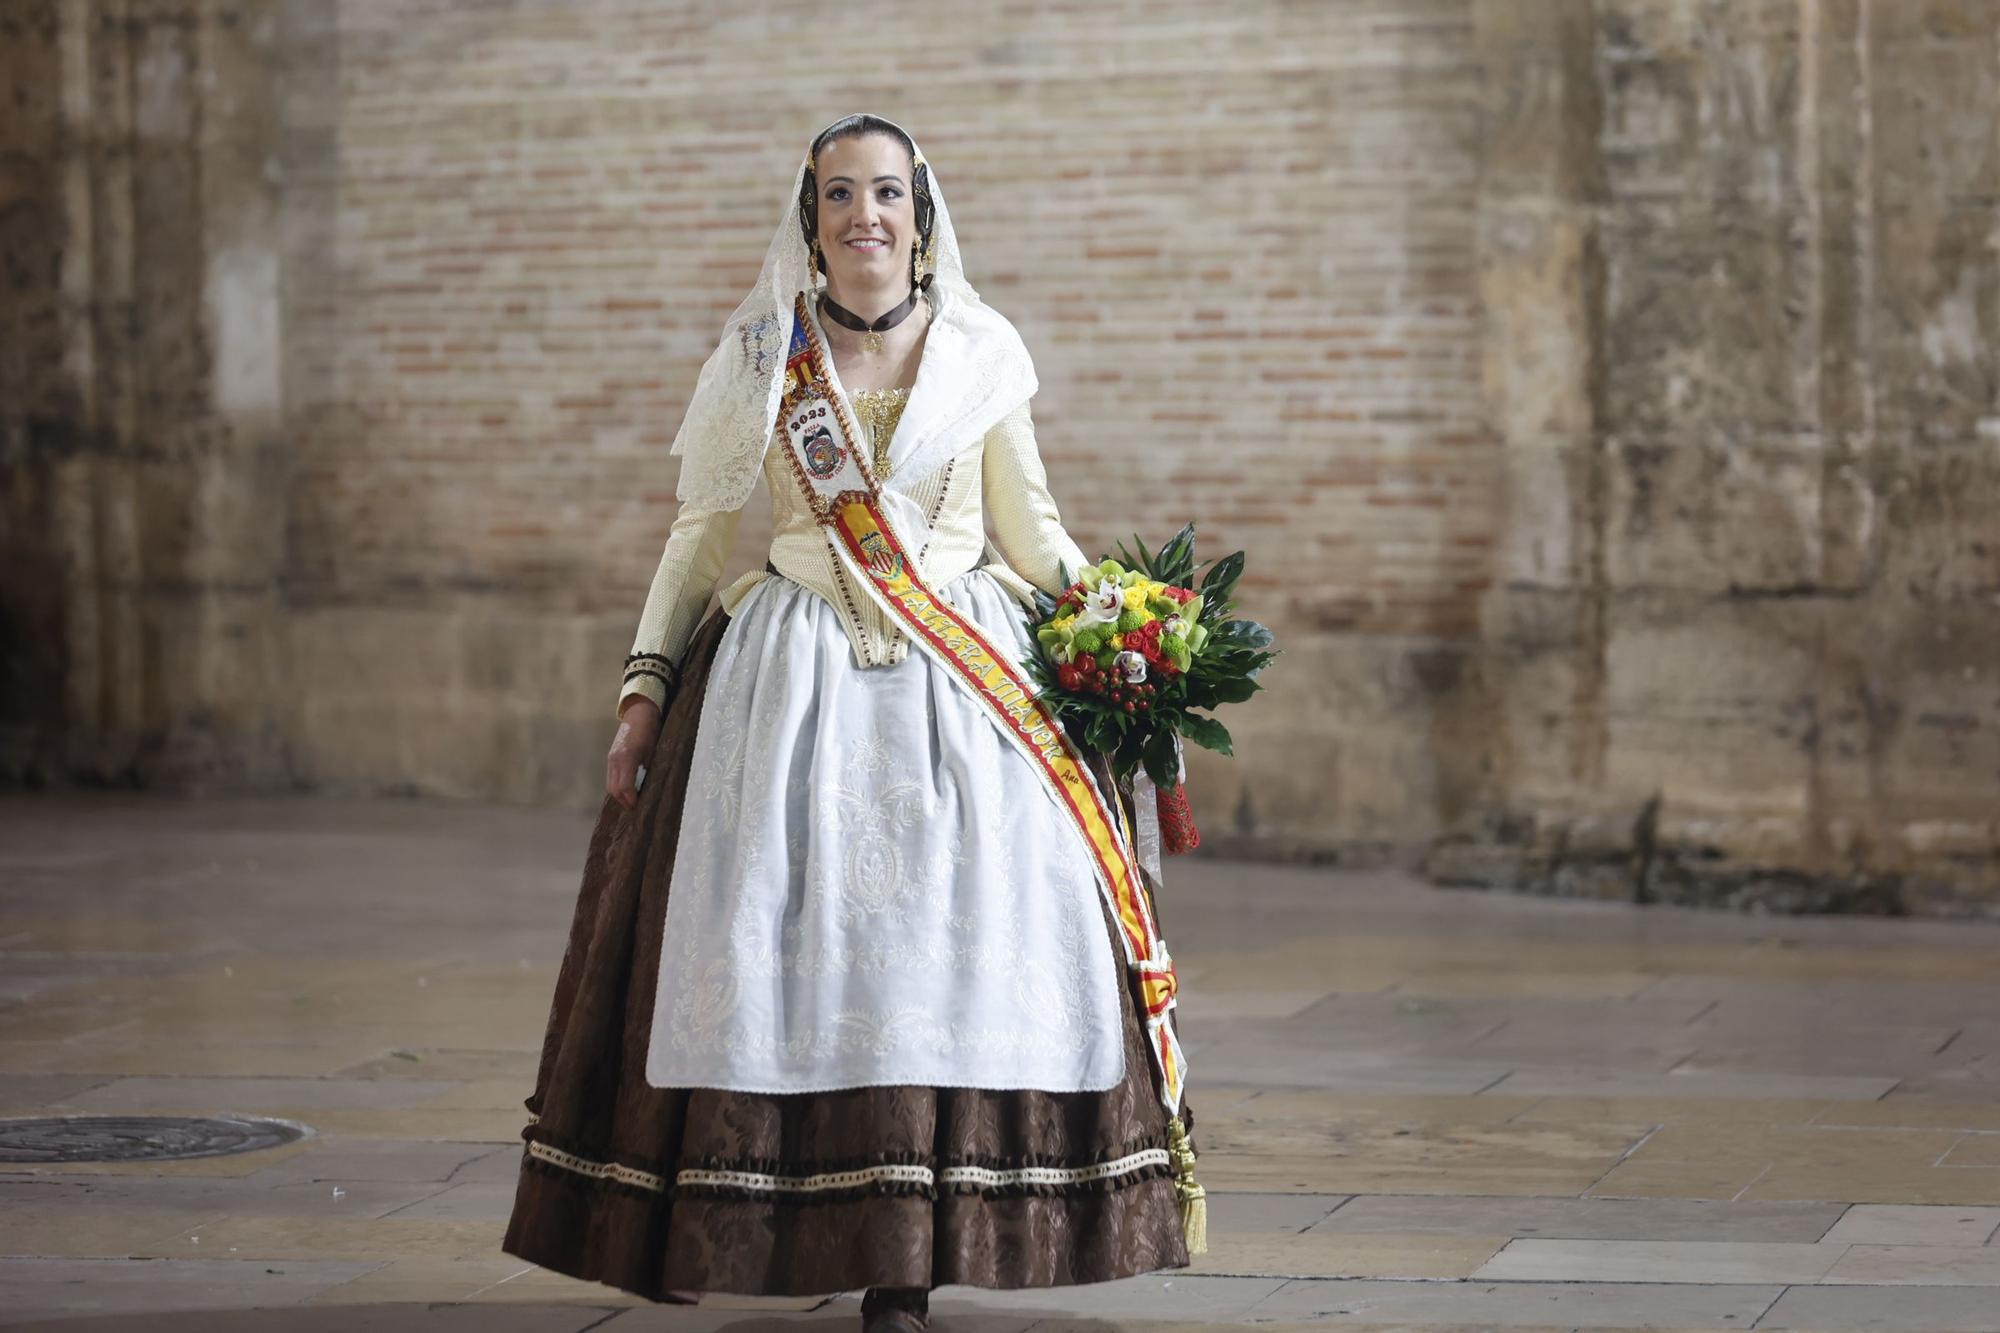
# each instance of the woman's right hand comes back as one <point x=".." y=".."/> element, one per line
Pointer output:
<point x="638" y="729"/>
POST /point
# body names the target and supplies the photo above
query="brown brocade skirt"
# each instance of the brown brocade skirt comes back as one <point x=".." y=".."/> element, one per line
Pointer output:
<point x="794" y="1198"/>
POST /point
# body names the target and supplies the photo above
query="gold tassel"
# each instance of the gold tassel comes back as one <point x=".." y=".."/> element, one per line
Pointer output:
<point x="1193" y="1198"/>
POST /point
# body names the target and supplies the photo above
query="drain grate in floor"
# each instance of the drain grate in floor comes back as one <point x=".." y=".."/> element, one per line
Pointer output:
<point x="139" y="1138"/>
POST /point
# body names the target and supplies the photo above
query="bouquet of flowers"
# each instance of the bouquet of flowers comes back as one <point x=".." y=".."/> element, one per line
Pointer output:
<point x="1133" y="645"/>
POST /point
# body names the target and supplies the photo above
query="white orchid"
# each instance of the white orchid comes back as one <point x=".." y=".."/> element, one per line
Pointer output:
<point x="1103" y="605"/>
<point x="1133" y="665"/>
<point x="1174" y="625"/>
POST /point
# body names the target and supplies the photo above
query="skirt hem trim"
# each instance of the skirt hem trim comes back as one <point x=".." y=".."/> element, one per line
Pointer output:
<point x="912" y="1176"/>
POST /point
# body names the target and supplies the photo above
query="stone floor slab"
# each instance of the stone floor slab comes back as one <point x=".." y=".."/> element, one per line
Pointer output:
<point x="407" y="1317"/>
<point x="515" y="1068"/>
<point x="1903" y="1224"/>
<point x="288" y="1238"/>
<point x="1976" y="1151"/>
<point x="1585" y="1081"/>
<point x="1911" y="1113"/>
<point x="39" y="1288"/>
<point x="1232" y="1213"/>
<point x="32" y="1232"/>
<point x="1748" y="1000"/>
<point x="487" y="1201"/>
<point x="211" y="1096"/>
<point x="1720" y="1111"/>
<point x="1287" y="1326"/>
<point x="1587" y="1219"/>
<point x="1862" y="1184"/>
<point x="949" y="1315"/>
<point x="1347" y="1254"/>
<point x="1324" y="1112"/>
<point x="1677" y="1261"/>
<point x="1514" y="1304"/>
<point x="1280" y="1173"/>
<point x="444" y="1124"/>
<point x="1883" y="1310"/>
<point x="498" y="1164"/>
<point x="1190" y="1298"/>
<point x="32" y="1094"/>
<point x="1921" y="1265"/>
<point x="346" y="1160"/>
<point x="1386" y="1157"/>
<point x="431" y="1278"/>
<point x="1609" y="985"/>
<point x="236" y="1198"/>
<point x="1223" y="1005"/>
<point x="1242" y="1057"/>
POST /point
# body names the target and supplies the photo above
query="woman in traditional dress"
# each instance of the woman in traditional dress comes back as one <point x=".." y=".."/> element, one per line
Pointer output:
<point x="862" y="989"/>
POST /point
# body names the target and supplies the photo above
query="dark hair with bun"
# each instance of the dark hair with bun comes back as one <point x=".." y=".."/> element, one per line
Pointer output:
<point x="859" y="127"/>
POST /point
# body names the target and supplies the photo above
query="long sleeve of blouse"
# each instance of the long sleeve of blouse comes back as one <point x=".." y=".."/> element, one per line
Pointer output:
<point x="689" y="569"/>
<point x="1020" y="512"/>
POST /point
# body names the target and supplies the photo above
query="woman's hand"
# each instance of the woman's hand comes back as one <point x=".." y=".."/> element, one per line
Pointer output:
<point x="638" y="728"/>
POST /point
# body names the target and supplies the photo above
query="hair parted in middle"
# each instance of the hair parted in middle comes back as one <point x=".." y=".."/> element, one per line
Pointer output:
<point x="857" y="127"/>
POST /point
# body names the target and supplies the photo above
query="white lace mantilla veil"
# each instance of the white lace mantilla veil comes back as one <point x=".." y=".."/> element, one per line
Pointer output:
<point x="975" y="368"/>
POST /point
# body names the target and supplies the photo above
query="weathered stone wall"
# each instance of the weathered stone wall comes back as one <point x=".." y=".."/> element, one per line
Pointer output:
<point x="1604" y="393"/>
<point x="1742" y="316"/>
<point x="140" y="411"/>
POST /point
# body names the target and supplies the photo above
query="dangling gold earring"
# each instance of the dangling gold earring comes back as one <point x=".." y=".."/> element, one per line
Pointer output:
<point x="812" y="274"/>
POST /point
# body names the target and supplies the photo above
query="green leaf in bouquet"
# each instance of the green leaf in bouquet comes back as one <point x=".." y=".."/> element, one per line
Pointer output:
<point x="1235" y="689"/>
<point x="1130" y="748"/>
<point x="1220" y="581"/>
<point x="1241" y="634"/>
<point x="1161" y="758"/>
<point x="1130" y="558"/>
<point x="1174" y="565"/>
<point x="1207" y="733"/>
<point x="1045" y="606"/>
<point x="1201" y="692"/>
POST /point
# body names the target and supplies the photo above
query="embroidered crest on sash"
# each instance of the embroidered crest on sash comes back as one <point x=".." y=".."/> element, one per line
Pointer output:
<point x="822" y="454"/>
<point x="882" y="558"/>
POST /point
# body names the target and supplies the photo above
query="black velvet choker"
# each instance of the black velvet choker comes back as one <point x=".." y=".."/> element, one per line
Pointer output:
<point x="873" y="340"/>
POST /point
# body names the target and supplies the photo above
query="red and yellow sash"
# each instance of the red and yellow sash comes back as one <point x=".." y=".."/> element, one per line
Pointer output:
<point x="835" y="477"/>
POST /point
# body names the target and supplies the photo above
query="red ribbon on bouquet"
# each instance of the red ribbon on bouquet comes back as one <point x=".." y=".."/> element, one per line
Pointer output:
<point x="1178" y="834"/>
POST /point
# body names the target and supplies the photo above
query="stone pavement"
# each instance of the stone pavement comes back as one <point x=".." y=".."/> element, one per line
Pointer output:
<point x="1418" y="1109"/>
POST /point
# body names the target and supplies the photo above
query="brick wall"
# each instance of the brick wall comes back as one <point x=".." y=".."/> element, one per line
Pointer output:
<point x="1237" y="239"/>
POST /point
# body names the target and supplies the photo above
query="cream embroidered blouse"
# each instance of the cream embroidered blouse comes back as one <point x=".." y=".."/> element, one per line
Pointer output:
<point x="997" y="481"/>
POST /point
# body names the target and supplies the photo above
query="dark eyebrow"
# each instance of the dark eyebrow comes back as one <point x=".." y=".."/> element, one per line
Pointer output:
<point x="850" y="180"/>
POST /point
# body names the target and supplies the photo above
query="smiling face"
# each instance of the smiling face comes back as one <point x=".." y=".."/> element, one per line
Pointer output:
<point x="867" y="215"/>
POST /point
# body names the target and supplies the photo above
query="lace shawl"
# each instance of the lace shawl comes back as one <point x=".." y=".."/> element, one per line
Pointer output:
<point x="974" y="369"/>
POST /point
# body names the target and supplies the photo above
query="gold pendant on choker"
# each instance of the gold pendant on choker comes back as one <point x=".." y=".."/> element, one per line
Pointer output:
<point x="871" y="341"/>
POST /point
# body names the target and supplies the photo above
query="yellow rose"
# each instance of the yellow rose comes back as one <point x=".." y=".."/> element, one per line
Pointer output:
<point x="1118" y="641"/>
<point x="1135" y="598"/>
<point x="1063" y="622"/>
